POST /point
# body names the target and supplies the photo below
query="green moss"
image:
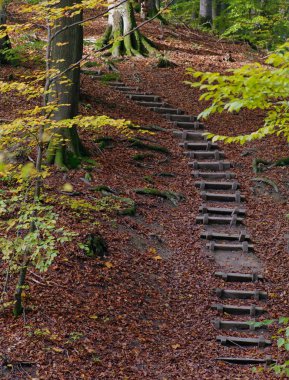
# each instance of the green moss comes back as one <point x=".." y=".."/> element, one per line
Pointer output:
<point x="104" y="142"/>
<point x="151" y="128"/>
<point x="142" y="157"/>
<point x="173" y="197"/>
<point x="148" y="179"/>
<point x="135" y="143"/>
<point x="101" y="188"/>
<point x="91" y="64"/>
<point x="111" y="77"/>
<point x="282" y="162"/>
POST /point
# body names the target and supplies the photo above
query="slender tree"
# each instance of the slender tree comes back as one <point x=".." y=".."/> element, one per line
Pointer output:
<point x="4" y="40"/>
<point x="65" y="55"/>
<point x="206" y="12"/>
<point x="121" y="22"/>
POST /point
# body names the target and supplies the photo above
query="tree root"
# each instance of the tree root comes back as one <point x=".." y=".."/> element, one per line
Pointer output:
<point x="171" y="196"/>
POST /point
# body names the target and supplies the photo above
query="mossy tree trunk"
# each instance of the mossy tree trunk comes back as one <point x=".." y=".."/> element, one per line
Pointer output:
<point x="65" y="148"/>
<point x="150" y="8"/>
<point x="206" y="12"/>
<point x="4" y="41"/>
<point x="121" y="21"/>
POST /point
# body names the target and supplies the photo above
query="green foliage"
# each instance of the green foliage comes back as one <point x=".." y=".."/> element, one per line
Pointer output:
<point x="261" y="23"/>
<point x="282" y="340"/>
<point x="254" y="86"/>
<point x="184" y="11"/>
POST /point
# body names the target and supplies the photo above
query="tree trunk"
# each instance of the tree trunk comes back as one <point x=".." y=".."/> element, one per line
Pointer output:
<point x="206" y="12"/>
<point x="4" y="41"/>
<point x="149" y="9"/>
<point x="216" y="9"/>
<point x="65" y="148"/>
<point x="121" y="21"/>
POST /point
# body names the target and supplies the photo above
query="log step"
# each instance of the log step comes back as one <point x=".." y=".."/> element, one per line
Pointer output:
<point x="259" y="342"/>
<point x="210" y="165"/>
<point x="223" y="197"/>
<point x="189" y="125"/>
<point x="212" y="235"/>
<point x="252" y="310"/>
<point x="164" y="110"/>
<point x="117" y="84"/>
<point x="236" y="325"/>
<point x="250" y="361"/>
<point x="144" y="97"/>
<point x="126" y="88"/>
<point x="207" y="219"/>
<point x="239" y="277"/>
<point x="213" y="175"/>
<point x="185" y="118"/>
<point x="189" y="135"/>
<point x="244" y="246"/>
<point x="153" y="104"/>
<point x="203" y="185"/>
<point x="204" y="209"/>
<point x="204" y="146"/>
<point x="213" y="154"/>
<point x="258" y="295"/>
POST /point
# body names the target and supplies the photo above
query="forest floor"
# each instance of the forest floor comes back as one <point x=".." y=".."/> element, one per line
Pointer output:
<point x="144" y="312"/>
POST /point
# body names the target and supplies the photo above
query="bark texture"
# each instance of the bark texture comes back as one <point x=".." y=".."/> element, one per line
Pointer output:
<point x="206" y="12"/>
<point x="4" y="41"/>
<point x="121" y="21"/>
<point x="65" y="148"/>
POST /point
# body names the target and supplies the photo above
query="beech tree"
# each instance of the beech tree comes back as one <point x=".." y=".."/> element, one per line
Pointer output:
<point x="121" y="22"/>
<point x="4" y="39"/>
<point x="206" y="12"/>
<point x="65" y="55"/>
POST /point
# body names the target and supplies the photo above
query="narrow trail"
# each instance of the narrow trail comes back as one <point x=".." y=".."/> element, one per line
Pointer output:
<point x="226" y="240"/>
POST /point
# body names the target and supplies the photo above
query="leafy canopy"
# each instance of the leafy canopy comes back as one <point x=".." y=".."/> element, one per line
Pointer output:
<point x="250" y="87"/>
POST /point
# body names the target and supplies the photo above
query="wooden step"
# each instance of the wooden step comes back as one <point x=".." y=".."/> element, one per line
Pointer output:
<point x="237" y="325"/>
<point x="259" y="342"/>
<point x="230" y="220"/>
<point x="144" y="97"/>
<point x="239" y="277"/>
<point x="185" y="118"/>
<point x="212" y="235"/>
<point x="251" y="310"/>
<point x="244" y="246"/>
<point x="219" y="166"/>
<point x="189" y="125"/>
<point x="164" y="110"/>
<point x="223" y="197"/>
<point x="153" y="104"/>
<point x="117" y="84"/>
<point x="205" y="154"/>
<point x="250" y="361"/>
<point x="204" y="185"/>
<point x="189" y="136"/>
<point x="258" y="295"/>
<point x="200" y="145"/>
<point x="127" y="89"/>
<point x="205" y="209"/>
<point x="213" y="175"/>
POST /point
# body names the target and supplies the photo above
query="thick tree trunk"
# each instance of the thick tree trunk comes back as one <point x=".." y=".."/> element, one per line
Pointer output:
<point x="65" y="148"/>
<point x="206" y="12"/>
<point x="121" y="21"/>
<point x="4" y="41"/>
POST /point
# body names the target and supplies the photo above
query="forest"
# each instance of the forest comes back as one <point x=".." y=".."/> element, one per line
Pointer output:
<point x="144" y="185"/>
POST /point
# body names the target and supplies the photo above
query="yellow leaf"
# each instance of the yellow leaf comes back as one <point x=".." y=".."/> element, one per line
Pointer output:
<point x="93" y="316"/>
<point x="176" y="346"/>
<point x="57" y="349"/>
<point x="158" y="257"/>
<point x="108" y="264"/>
<point x="67" y="187"/>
